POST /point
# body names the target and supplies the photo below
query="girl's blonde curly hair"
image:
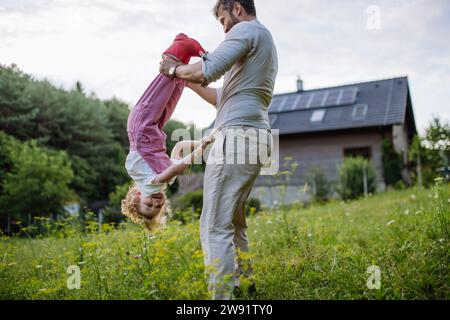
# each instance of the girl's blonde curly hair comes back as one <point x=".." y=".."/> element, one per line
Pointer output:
<point x="130" y="208"/>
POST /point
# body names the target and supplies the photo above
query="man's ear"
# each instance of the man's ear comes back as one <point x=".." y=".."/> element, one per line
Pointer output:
<point x="237" y="9"/>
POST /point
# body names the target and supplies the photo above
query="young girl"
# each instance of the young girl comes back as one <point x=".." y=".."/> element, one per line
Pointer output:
<point x="147" y="162"/>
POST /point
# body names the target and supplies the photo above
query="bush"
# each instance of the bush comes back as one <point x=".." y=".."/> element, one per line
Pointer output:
<point x="252" y="206"/>
<point x="392" y="164"/>
<point x="319" y="183"/>
<point x="186" y="216"/>
<point x="192" y="201"/>
<point x="351" y="178"/>
<point x="113" y="212"/>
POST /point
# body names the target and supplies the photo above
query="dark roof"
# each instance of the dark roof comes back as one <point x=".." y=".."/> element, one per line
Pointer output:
<point x="360" y="105"/>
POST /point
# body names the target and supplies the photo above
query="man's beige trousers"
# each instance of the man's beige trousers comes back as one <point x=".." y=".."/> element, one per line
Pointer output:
<point x="228" y="182"/>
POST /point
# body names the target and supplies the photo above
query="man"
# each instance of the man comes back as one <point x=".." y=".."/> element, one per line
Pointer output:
<point x="248" y="60"/>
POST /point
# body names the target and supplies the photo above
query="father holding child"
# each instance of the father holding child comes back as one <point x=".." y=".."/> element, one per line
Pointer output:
<point x="247" y="59"/>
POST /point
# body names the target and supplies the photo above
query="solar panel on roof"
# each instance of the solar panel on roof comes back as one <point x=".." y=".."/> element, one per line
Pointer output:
<point x="317" y="100"/>
<point x="324" y="99"/>
<point x="290" y="102"/>
<point x="294" y="105"/>
<point x="348" y="96"/>
<point x="332" y="98"/>
<point x="320" y="99"/>
<point x="311" y="97"/>
<point x="302" y="101"/>
<point x="275" y="104"/>
<point x="281" y="106"/>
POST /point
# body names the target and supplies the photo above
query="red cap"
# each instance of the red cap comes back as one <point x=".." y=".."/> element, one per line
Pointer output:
<point x="183" y="48"/>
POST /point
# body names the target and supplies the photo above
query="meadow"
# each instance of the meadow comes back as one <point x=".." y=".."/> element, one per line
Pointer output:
<point x="315" y="252"/>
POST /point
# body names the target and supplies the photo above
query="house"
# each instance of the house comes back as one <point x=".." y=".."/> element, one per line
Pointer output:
<point x="321" y="127"/>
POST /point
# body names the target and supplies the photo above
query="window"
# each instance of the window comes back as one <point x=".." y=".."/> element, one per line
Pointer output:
<point x="365" y="152"/>
<point x="317" y="116"/>
<point x="359" y="111"/>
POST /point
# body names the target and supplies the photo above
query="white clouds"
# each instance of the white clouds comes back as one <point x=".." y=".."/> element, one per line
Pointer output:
<point x="113" y="46"/>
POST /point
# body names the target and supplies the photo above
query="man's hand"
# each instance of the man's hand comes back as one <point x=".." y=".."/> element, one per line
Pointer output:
<point x="189" y="72"/>
<point x="166" y="64"/>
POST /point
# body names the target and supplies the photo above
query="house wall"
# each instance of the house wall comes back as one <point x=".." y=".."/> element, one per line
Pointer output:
<point x="190" y="182"/>
<point x="325" y="150"/>
<point x="400" y="141"/>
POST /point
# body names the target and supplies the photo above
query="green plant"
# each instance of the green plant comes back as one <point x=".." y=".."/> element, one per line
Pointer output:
<point x="191" y="200"/>
<point x="113" y="211"/>
<point x="283" y="180"/>
<point x="401" y="231"/>
<point x="392" y="163"/>
<point x="442" y="218"/>
<point x="320" y="186"/>
<point x="252" y="206"/>
<point x="351" y="175"/>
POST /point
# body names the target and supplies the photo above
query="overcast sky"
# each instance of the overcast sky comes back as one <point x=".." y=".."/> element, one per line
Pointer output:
<point x="113" y="46"/>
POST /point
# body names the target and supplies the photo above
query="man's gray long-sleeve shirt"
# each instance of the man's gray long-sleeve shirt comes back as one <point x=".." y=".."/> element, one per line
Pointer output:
<point x="248" y="59"/>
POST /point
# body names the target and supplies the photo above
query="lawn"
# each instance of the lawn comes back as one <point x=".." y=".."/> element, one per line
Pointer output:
<point x="319" y="252"/>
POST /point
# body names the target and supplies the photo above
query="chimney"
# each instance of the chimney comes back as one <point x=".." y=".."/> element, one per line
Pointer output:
<point x="299" y="84"/>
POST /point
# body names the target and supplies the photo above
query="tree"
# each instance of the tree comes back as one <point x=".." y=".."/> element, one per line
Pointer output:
<point x="37" y="184"/>
<point x="117" y="113"/>
<point x="169" y="128"/>
<point x="432" y="150"/>
<point x="85" y="127"/>
<point x="91" y="131"/>
<point x="17" y="113"/>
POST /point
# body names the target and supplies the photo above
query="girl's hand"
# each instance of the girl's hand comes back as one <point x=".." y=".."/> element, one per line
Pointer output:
<point x="207" y="140"/>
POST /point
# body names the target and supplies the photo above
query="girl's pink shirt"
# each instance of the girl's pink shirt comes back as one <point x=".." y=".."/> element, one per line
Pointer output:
<point x="148" y="118"/>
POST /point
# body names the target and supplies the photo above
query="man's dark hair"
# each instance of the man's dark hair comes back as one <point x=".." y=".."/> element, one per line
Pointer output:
<point x="249" y="6"/>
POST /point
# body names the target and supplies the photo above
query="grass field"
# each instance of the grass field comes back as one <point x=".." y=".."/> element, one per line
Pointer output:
<point x="320" y="252"/>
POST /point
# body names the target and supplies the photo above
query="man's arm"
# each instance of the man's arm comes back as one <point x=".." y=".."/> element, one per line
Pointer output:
<point x="208" y="94"/>
<point x="214" y="65"/>
<point x="189" y="72"/>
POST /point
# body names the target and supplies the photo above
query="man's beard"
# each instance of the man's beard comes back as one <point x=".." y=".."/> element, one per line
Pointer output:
<point x="233" y="21"/>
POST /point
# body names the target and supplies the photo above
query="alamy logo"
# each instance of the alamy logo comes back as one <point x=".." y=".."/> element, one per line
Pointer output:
<point x="373" y="18"/>
<point x="374" y="280"/>
<point x="74" y="280"/>
<point x="241" y="145"/>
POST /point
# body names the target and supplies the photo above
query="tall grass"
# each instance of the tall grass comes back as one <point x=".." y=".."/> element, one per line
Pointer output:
<point x="322" y="252"/>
